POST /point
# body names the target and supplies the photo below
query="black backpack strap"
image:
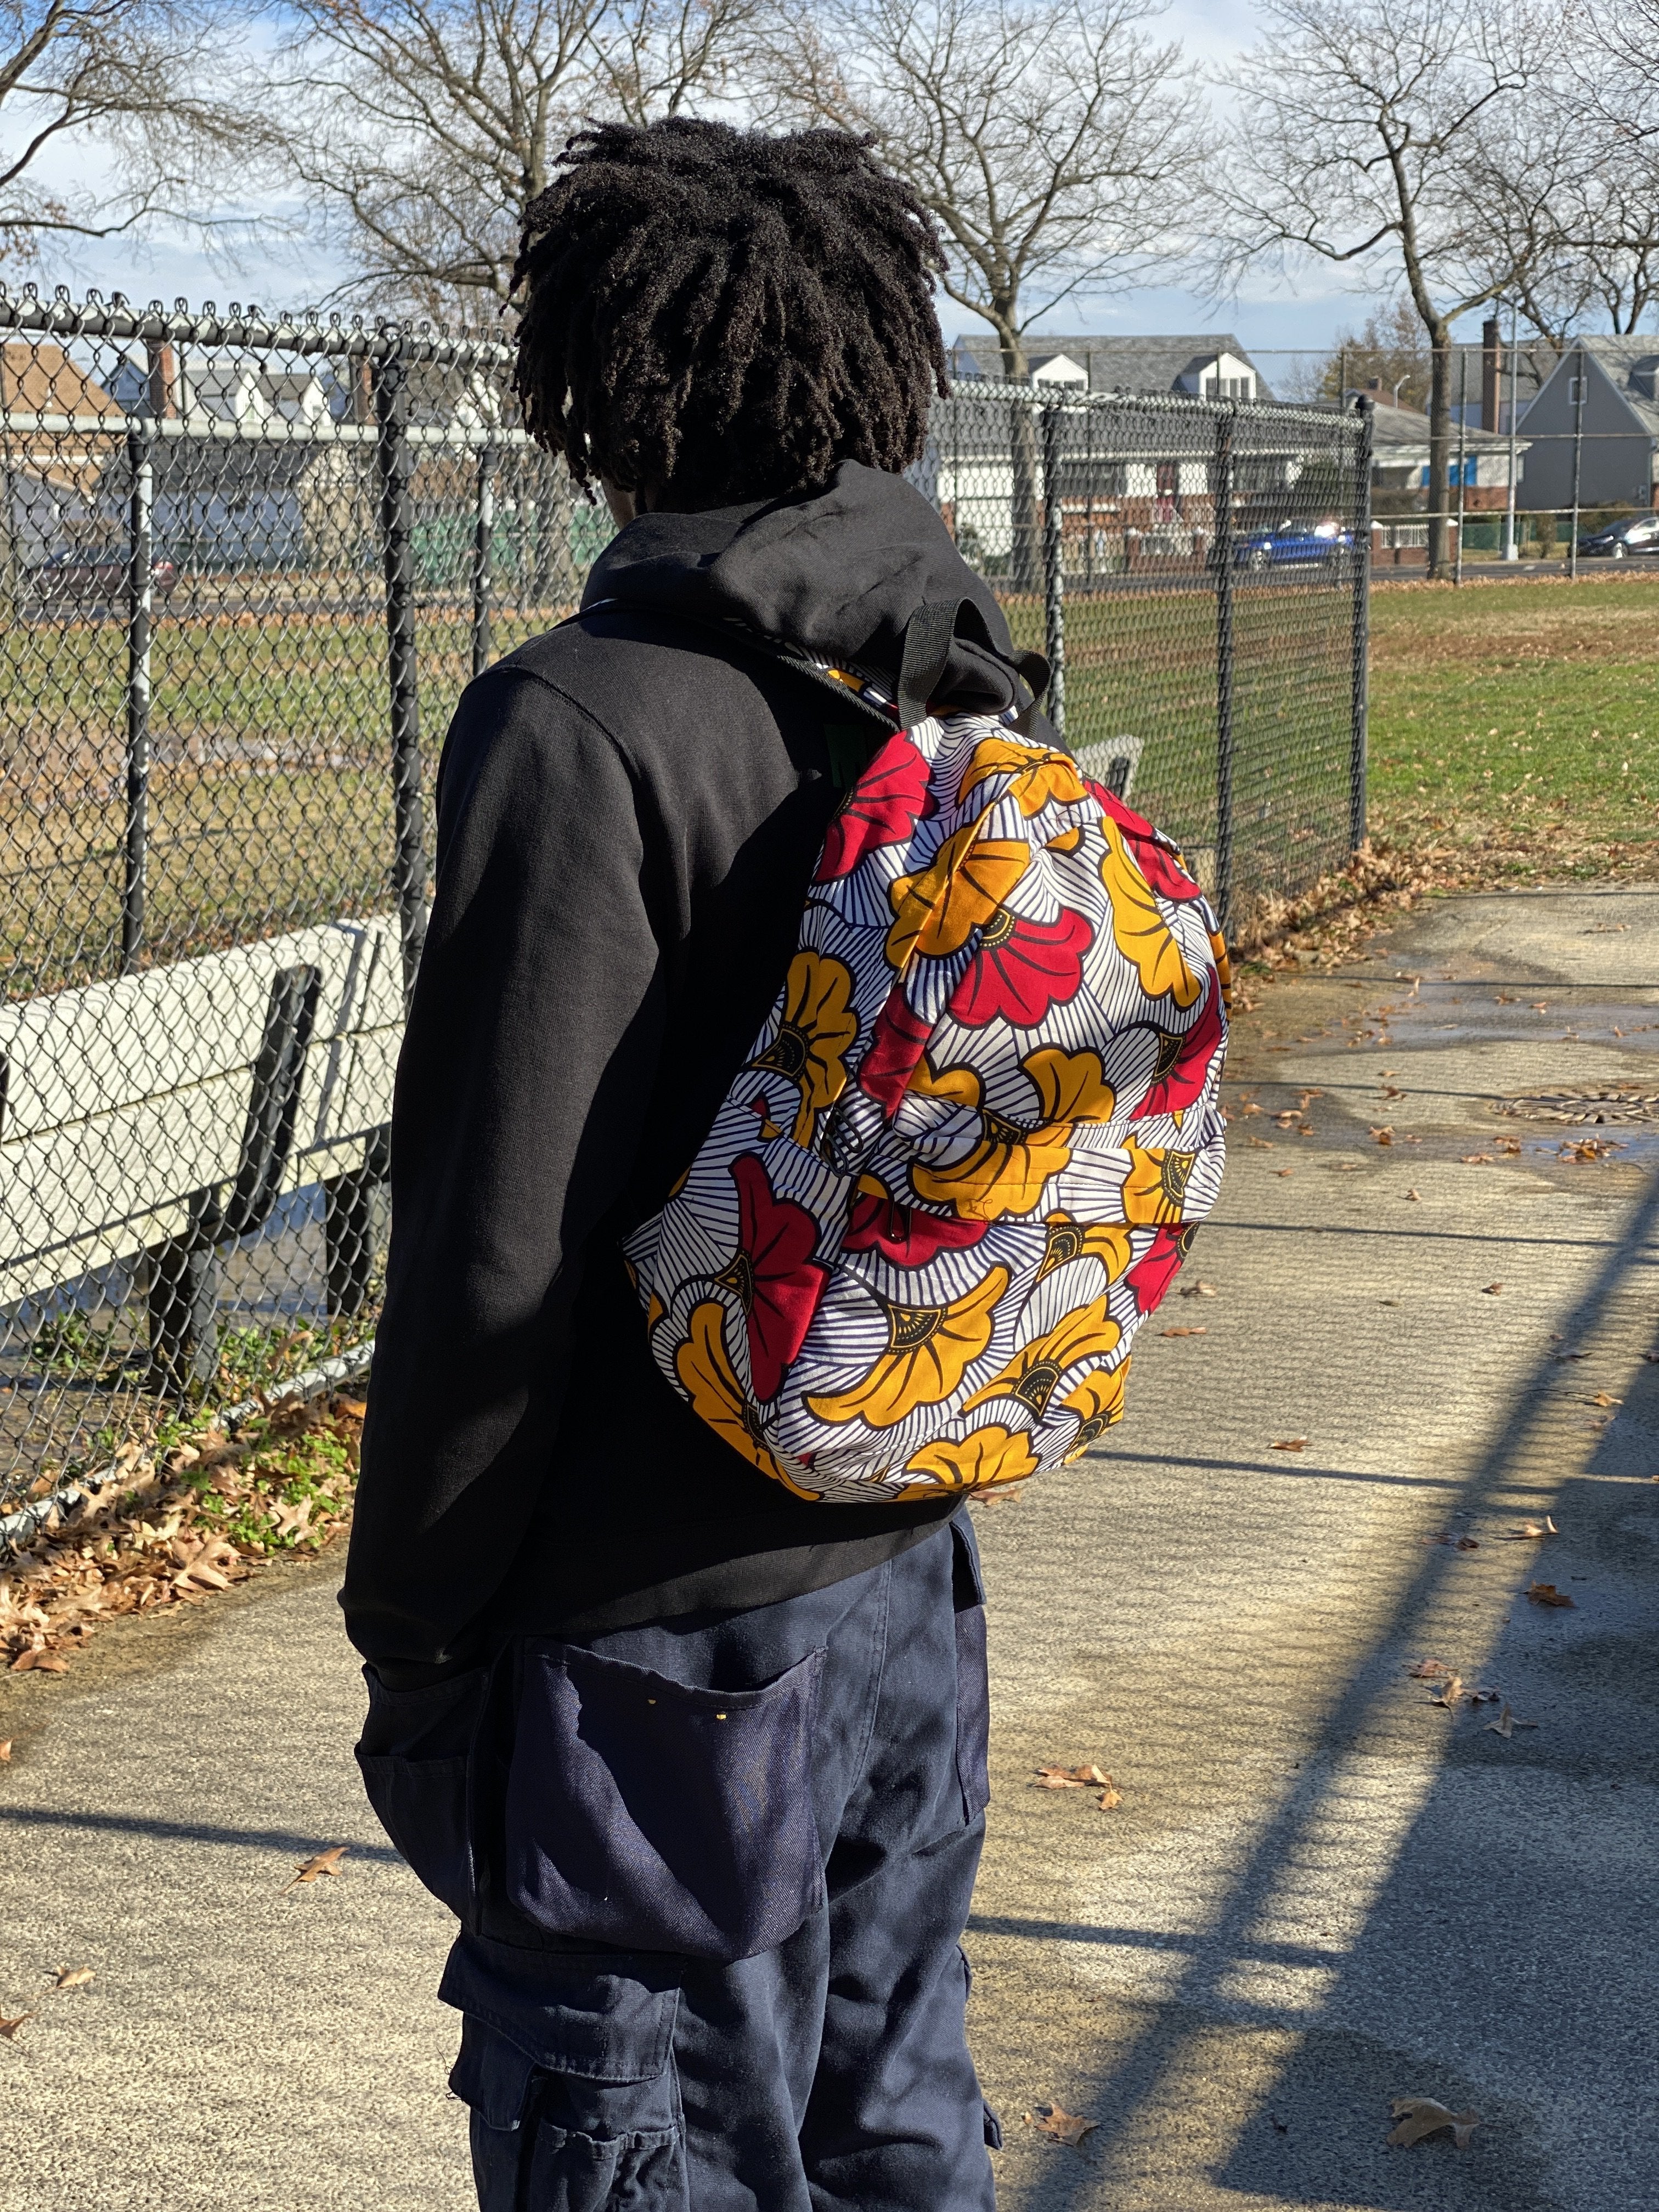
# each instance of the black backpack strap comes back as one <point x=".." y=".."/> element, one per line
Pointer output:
<point x="928" y="638"/>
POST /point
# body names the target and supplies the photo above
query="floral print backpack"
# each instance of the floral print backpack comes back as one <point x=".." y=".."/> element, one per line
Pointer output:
<point x="968" y="1149"/>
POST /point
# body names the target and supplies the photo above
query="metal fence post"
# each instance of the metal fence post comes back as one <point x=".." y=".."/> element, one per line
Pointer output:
<point x="1054" y="565"/>
<point x="1577" y="462"/>
<point x="481" y="559"/>
<point x="140" y="565"/>
<point x="1462" y="456"/>
<point x="1222" y="499"/>
<point x="1358" y="742"/>
<point x="397" y="536"/>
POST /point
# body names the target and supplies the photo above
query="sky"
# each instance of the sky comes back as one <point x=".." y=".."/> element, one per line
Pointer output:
<point x="1271" y="317"/>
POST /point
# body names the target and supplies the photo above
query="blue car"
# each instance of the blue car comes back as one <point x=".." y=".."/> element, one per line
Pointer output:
<point x="1293" y="545"/>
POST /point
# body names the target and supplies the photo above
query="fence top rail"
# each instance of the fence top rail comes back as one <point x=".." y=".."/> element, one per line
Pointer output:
<point x="1064" y="399"/>
<point x="277" y="430"/>
<point x="309" y="331"/>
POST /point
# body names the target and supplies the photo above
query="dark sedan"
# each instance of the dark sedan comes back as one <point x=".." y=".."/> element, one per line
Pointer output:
<point x="78" y="578"/>
<point x="1617" y="540"/>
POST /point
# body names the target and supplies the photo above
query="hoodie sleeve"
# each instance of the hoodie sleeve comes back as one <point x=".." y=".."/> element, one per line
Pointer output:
<point x="530" y="1051"/>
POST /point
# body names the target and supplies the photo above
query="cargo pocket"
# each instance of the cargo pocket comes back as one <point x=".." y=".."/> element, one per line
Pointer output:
<point x="653" y="1815"/>
<point x="973" y="1681"/>
<point x="416" y="1756"/>
<point x="565" y="2064"/>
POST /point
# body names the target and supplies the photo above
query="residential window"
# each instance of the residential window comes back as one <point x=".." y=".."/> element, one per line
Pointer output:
<point x="1229" y="387"/>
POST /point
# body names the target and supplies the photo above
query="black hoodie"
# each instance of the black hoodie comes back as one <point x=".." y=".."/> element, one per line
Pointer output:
<point x="629" y="809"/>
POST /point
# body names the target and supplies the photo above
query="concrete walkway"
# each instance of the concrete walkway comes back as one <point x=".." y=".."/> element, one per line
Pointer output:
<point x="1321" y="1890"/>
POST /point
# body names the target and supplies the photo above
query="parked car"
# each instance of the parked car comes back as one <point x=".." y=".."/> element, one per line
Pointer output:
<point x="1616" y="541"/>
<point x="81" y="579"/>
<point x="1293" y="545"/>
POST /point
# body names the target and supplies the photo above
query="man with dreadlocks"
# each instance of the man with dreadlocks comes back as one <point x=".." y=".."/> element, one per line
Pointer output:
<point x="700" y="1763"/>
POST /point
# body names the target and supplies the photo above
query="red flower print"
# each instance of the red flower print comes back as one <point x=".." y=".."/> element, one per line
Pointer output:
<point x="1151" y="854"/>
<point x="1021" y="969"/>
<point x="1183" y="1061"/>
<point x="1152" y="1275"/>
<point x="1131" y="823"/>
<point x="774" y="1274"/>
<point x="902" y="1234"/>
<point x="897" y="1040"/>
<point x="883" y="807"/>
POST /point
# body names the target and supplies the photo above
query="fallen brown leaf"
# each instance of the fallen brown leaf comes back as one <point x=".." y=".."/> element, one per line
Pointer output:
<point x="1290" y="1443"/>
<point x="1071" y="1778"/>
<point x="1490" y="1290"/>
<point x="1548" y="1593"/>
<point x="324" y="1862"/>
<point x="9" y="2027"/>
<point x="1199" y="1290"/>
<point x="1111" y="1796"/>
<point x="40" y="1662"/>
<point x="1506" y="1723"/>
<point x="1262" y="1144"/>
<point x="1184" y="1332"/>
<point x="1054" y="2120"/>
<point x="1429" y="1670"/>
<point x="1449" y="1694"/>
<point x="1544" y="1527"/>
<point x="1382" y="1136"/>
<point x="1420" y="2117"/>
<point x="72" y="1978"/>
<point x="5" y="1752"/>
<point x="1417" y="1194"/>
<point x="1477" y="1159"/>
<point x="1284" y="1171"/>
<point x="1602" y="1399"/>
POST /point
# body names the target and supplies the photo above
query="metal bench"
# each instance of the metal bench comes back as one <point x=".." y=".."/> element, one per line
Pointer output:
<point x="160" y="1118"/>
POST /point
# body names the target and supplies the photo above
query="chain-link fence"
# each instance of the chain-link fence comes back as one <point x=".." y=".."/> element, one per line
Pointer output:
<point x="247" y="569"/>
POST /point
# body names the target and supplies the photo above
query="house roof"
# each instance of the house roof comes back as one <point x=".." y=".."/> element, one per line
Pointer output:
<point x="1113" y="364"/>
<point x="38" y="378"/>
<point x="1621" y="358"/>
<point x="1397" y="429"/>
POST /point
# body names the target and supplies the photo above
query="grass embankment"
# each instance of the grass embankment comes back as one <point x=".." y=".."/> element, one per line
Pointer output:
<point x="1518" y="725"/>
<point x="1514" y="740"/>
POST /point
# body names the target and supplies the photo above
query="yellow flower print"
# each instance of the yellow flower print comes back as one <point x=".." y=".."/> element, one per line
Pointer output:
<point x="1004" y="1173"/>
<point x="1042" y="776"/>
<point x="1033" y="1373"/>
<point x="986" y="1456"/>
<point x="815" y="1035"/>
<point x="1098" y="1401"/>
<point x="1007" y="1170"/>
<point x="963" y="884"/>
<point x="929" y="1350"/>
<point x="1154" y="1188"/>
<point x="1071" y="1086"/>
<point x="1143" y="935"/>
<point x="1109" y="1242"/>
<point x="704" y="1367"/>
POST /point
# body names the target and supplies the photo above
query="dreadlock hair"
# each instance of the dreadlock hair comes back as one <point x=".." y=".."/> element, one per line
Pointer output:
<point x="712" y="315"/>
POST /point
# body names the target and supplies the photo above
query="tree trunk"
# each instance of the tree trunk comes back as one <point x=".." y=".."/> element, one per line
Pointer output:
<point x="1025" y="553"/>
<point x="1440" y="450"/>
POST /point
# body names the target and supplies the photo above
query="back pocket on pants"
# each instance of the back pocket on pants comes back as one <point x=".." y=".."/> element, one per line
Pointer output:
<point x="654" y="1815"/>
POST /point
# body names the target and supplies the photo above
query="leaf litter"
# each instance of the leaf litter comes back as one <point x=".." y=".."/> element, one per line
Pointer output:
<point x="320" y="1863"/>
<point x="1054" y="2120"/>
<point x="1420" y="2118"/>
<point x="1080" y="1777"/>
<point x="71" y="1978"/>
<point x="176" y="1523"/>
<point x="1548" y="1593"/>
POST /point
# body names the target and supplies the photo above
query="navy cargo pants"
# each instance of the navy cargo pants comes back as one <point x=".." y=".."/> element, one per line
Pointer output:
<point x="711" y="1875"/>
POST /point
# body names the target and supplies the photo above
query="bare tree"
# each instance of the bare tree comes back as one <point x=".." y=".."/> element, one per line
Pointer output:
<point x="125" y="75"/>
<point x="1356" y="132"/>
<point x="1053" y="140"/>
<point x="424" y="128"/>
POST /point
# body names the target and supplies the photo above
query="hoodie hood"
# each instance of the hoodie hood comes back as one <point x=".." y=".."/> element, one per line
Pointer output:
<point x="838" y="575"/>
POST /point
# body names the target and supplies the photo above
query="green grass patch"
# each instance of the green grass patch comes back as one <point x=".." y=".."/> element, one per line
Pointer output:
<point x="1526" y="713"/>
